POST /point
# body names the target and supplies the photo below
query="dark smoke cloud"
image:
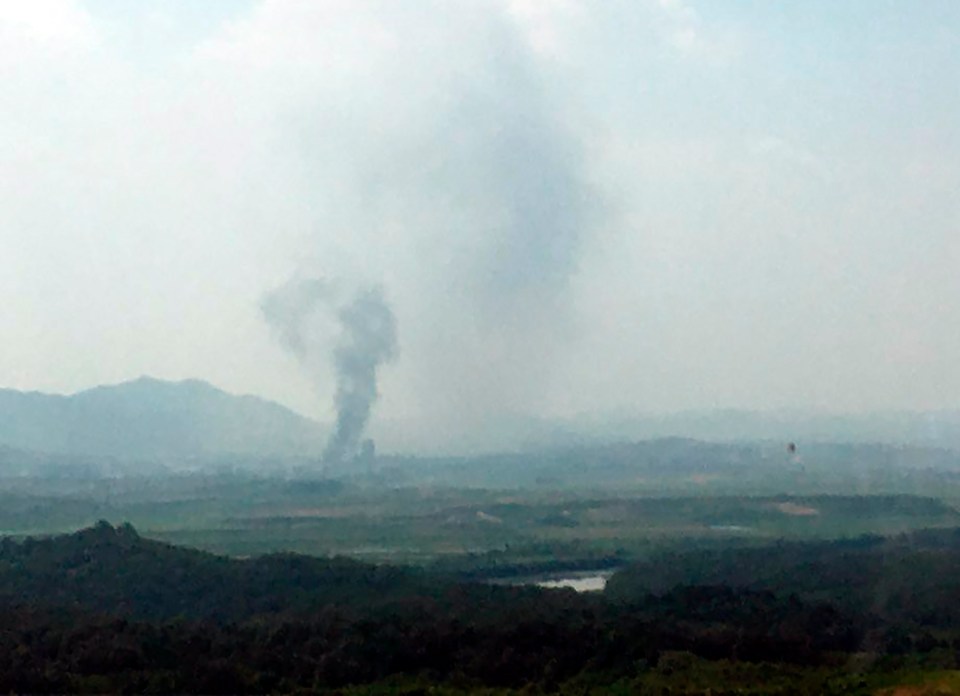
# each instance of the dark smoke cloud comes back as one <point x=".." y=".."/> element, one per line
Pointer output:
<point x="369" y="339"/>
<point x="366" y="338"/>
<point x="457" y="173"/>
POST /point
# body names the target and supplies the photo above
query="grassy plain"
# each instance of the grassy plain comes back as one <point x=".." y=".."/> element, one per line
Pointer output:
<point x="468" y="528"/>
<point x="569" y="508"/>
<point x="510" y="518"/>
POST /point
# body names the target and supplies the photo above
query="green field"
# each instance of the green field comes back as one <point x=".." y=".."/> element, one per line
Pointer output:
<point x="470" y="527"/>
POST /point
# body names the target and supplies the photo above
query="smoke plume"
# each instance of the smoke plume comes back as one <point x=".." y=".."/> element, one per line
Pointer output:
<point x="310" y="316"/>
<point x="368" y="340"/>
<point x="470" y="196"/>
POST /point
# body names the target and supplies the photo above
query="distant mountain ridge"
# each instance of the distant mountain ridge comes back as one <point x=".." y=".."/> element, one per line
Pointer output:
<point x="519" y="432"/>
<point x="149" y="419"/>
<point x="154" y="419"/>
<point x="906" y="428"/>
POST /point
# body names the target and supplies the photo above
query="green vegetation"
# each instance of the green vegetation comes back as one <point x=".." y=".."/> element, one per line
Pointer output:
<point x="107" y="610"/>
<point x="410" y="578"/>
<point x="240" y="515"/>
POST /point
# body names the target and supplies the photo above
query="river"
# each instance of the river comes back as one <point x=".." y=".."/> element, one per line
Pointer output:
<point x="581" y="581"/>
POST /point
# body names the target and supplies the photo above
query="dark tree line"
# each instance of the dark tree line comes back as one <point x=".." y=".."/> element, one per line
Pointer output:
<point x="104" y="610"/>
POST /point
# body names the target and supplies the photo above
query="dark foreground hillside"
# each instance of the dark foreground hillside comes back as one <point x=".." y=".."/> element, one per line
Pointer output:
<point x="908" y="580"/>
<point x="104" y="610"/>
<point x="114" y="570"/>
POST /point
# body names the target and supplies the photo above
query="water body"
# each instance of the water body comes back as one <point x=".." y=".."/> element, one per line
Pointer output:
<point x="580" y="580"/>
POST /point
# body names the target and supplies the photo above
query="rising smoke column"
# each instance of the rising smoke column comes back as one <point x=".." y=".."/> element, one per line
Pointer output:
<point x="462" y="150"/>
<point x="366" y="338"/>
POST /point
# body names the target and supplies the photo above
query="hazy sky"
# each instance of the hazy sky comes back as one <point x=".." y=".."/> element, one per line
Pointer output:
<point x="571" y="206"/>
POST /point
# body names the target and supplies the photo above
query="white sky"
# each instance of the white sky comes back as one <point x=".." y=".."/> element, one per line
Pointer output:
<point x="573" y="206"/>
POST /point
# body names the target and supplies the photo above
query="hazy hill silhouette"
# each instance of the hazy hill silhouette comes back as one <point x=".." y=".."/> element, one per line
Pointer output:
<point x="149" y="419"/>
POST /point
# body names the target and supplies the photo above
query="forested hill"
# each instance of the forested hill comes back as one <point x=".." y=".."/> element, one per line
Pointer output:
<point x="911" y="579"/>
<point x="149" y="418"/>
<point x="115" y="570"/>
<point x="104" y="610"/>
